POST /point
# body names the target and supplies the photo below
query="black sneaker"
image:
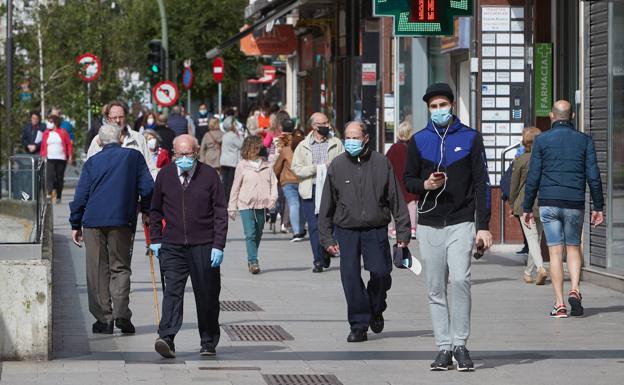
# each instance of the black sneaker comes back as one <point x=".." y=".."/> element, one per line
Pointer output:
<point x="461" y="357"/>
<point x="165" y="347"/>
<point x="443" y="361"/>
<point x="377" y="323"/>
<point x="317" y="269"/>
<point x="102" y="328"/>
<point x="207" y="350"/>
<point x="298" y="238"/>
<point x="525" y="250"/>
<point x="326" y="260"/>
<point x="357" y="335"/>
<point x="125" y="325"/>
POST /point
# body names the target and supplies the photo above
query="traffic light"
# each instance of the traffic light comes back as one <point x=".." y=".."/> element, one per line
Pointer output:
<point x="155" y="57"/>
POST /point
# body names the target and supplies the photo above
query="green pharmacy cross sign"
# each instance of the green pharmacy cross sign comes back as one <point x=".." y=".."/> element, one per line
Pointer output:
<point x="423" y="17"/>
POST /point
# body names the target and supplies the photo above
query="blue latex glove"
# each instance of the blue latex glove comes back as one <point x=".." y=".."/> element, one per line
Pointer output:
<point x="155" y="247"/>
<point x="216" y="256"/>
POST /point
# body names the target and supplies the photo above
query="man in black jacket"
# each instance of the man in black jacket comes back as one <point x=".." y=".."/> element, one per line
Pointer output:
<point x="189" y="196"/>
<point x="360" y="197"/>
<point x="446" y="166"/>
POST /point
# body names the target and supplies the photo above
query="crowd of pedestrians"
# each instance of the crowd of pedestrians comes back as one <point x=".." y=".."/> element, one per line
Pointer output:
<point x="187" y="177"/>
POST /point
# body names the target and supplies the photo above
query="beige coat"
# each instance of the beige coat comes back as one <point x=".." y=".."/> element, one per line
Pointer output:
<point x="210" y="150"/>
<point x="303" y="166"/>
<point x="520" y="170"/>
<point x="253" y="187"/>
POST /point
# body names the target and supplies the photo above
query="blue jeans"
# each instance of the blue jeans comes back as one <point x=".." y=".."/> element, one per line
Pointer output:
<point x="562" y="225"/>
<point x="253" y="224"/>
<point x="312" y="219"/>
<point x="291" y="192"/>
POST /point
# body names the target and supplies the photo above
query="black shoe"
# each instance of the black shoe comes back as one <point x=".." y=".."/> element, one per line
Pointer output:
<point x="165" y="347"/>
<point x="207" y="350"/>
<point x="317" y="269"/>
<point x="525" y="250"/>
<point x="298" y="238"/>
<point x="125" y="325"/>
<point x="357" y="335"/>
<point x="102" y="328"/>
<point x="574" y="299"/>
<point x="461" y="356"/>
<point x="377" y="323"/>
<point x="443" y="361"/>
<point x="326" y="260"/>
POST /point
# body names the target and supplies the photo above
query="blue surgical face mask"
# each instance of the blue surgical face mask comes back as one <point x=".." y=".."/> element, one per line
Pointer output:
<point x="441" y="116"/>
<point x="354" y="146"/>
<point x="185" y="163"/>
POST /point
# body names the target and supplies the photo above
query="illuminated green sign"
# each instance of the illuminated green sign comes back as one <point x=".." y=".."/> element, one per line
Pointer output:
<point x="423" y="17"/>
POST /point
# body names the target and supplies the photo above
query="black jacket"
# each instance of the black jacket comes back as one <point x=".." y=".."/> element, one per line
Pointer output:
<point x="361" y="193"/>
<point x="468" y="186"/>
<point x="29" y="134"/>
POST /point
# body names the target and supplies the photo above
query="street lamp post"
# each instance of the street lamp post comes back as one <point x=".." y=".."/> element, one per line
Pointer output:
<point x="165" y="35"/>
<point x="9" y="74"/>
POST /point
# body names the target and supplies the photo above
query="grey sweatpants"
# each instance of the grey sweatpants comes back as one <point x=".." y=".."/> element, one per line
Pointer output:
<point x="446" y="254"/>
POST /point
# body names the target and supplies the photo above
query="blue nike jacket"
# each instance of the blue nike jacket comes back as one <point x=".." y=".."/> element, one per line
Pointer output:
<point x="461" y="156"/>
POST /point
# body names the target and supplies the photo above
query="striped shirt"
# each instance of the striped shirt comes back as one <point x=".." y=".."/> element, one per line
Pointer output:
<point x="319" y="151"/>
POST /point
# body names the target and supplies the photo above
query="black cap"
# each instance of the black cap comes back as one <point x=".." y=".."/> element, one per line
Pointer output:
<point x="439" y="89"/>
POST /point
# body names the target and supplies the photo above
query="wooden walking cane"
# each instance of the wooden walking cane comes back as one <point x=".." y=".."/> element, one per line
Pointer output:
<point x="151" y="261"/>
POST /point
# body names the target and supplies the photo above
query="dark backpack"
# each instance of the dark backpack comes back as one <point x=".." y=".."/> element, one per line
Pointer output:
<point x="505" y="183"/>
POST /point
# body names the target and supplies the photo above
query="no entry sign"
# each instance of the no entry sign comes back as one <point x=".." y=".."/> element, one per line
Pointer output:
<point x="90" y="67"/>
<point x="217" y="69"/>
<point x="165" y="93"/>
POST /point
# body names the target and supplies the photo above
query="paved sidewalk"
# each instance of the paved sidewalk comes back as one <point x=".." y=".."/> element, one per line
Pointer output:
<point x="512" y="341"/>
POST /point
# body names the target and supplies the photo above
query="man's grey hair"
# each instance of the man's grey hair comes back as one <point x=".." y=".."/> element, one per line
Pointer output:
<point x="189" y="137"/>
<point x="362" y="126"/>
<point x="109" y="133"/>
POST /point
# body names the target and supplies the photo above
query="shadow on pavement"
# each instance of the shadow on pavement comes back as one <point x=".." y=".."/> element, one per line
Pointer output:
<point x="592" y="311"/>
<point x="490" y="280"/>
<point x="400" y="334"/>
<point x="282" y="269"/>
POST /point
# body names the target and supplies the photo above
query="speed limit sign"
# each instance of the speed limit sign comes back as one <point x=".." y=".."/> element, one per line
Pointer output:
<point x="165" y="93"/>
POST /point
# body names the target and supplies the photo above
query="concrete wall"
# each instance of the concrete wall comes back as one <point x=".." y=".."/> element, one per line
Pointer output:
<point x="25" y="309"/>
<point x="26" y="297"/>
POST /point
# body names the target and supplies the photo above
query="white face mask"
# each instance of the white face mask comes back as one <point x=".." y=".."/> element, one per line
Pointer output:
<point x="49" y="125"/>
<point x="150" y="121"/>
<point x="152" y="143"/>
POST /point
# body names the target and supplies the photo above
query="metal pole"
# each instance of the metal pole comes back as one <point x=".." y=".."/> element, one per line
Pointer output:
<point x="41" y="79"/>
<point x="164" y="35"/>
<point x="219" y="99"/>
<point x="9" y="73"/>
<point x="188" y="101"/>
<point x="89" y="106"/>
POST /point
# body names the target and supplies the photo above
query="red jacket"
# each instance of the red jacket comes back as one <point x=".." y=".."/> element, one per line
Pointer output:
<point x="163" y="158"/>
<point x="67" y="144"/>
<point x="397" y="155"/>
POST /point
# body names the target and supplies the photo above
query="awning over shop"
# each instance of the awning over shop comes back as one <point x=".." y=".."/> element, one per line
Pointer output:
<point x="273" y="10"/>
<point x="281" y="40"/>
<point x="268" y="76"/>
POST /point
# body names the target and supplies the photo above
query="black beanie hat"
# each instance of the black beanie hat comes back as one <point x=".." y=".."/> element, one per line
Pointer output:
<point x="439" y="89"/>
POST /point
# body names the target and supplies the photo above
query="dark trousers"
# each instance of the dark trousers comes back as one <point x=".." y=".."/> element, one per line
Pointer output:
<point x="178" y="262"/>
<point x="55" y="175"/>
<point x="227" y="176"/>
<point x="312" y="219"/>
<point x="372" y="245"/>
<point x="108" y="272"/>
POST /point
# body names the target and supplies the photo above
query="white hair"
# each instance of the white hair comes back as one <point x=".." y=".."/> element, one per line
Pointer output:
<point x="193" y="140"/>
<point x="109" y="133"/>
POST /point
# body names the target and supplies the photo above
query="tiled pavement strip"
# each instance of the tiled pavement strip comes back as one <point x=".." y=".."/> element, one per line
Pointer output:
<point x="512" y="341"/>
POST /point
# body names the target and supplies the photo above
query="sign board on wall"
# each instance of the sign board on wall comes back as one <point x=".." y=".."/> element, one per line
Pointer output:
<point x="369" y="74"/>
<point x="543" y="79"/>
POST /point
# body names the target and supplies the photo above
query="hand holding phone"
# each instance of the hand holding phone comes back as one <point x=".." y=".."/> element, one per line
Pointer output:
<point x="438" y="175"/>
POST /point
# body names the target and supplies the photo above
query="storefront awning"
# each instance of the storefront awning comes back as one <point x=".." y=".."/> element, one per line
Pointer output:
<point x="274" y="10"/>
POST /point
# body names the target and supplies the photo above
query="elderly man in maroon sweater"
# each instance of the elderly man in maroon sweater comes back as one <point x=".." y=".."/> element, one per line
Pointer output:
<point x="189" y="196"/>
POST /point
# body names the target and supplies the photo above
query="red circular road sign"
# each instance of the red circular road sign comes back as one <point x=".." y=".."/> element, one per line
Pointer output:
<point x="217" y="69"/>
<point x="90" y="67"/>
<point x="165" y="93"/>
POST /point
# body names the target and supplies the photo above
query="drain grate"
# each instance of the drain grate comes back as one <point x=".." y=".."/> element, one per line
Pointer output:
<point x="301" y="379"/>
<point x="257" y="333"/>
<point x="239" y="306"/>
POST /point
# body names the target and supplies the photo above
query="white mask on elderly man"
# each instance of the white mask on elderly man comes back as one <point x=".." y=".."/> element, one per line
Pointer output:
<point x="152" y="143"/>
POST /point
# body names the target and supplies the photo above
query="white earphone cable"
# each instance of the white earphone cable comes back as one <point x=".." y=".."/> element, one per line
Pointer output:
<point x="419" y="209"/>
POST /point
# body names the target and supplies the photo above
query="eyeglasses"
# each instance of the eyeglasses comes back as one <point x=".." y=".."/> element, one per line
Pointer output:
<point x="185" y="154"/>
<point x="116" y="118"/>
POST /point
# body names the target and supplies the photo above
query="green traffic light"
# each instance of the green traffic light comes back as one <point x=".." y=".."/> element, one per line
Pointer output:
<point x="155" y="68"/>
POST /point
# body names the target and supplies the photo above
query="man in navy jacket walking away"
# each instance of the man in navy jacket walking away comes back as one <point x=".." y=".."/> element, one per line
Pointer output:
<point x="104" y="212"/>
<point x="189" y="196"/>
<point x="563" y="160"/>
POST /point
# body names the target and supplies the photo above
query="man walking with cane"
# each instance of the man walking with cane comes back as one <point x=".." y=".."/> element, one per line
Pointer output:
<point x="189" y="196"/>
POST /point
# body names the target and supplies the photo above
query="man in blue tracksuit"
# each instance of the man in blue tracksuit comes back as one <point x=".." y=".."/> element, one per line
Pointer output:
<point x="446" y="166"/>
<point x="563" y="160"/>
